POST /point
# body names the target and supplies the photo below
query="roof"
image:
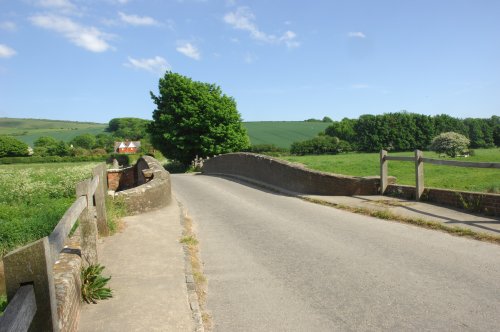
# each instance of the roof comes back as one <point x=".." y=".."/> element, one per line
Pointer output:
<point x="127" y="144"/>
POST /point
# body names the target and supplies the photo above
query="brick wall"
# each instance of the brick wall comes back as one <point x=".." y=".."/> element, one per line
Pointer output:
<point x="476" y="202"/>
<point x="122" y="179"/>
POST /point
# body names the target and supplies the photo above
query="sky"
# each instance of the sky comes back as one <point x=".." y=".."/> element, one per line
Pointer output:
<point x="94" y="60"/>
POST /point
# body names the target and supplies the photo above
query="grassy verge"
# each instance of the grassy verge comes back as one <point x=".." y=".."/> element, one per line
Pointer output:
<point x="115" y="211"/>
<point x="191" y="242"/>
<point x="436" y="176"/>
<point x="387" y="215"/>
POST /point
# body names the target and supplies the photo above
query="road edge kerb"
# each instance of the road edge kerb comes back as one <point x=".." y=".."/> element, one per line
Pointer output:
<point x="193" y="300"/>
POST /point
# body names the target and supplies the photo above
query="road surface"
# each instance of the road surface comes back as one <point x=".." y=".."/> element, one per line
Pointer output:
<point x="277" y="263"/>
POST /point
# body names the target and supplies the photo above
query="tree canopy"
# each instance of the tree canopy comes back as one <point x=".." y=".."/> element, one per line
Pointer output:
<point x="11" y="147"/>
<point x="404" y="131"/>
<point x="128" y="128"/>
<point x="194" y="118"/>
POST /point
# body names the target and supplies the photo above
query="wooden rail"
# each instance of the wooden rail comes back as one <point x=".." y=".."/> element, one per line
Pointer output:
<point x="34" y="307"/>
<point x="20" y="312"/>
<point x="419" y="161"/>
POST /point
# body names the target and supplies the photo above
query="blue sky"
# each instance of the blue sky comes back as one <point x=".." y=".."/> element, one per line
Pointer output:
<point x="93" y="60"/>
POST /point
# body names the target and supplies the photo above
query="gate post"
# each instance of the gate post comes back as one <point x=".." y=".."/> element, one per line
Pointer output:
<point x="383" y="171"/>
<point x="419" y="174"/>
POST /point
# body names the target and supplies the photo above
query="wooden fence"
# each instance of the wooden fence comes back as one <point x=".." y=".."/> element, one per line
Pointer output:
<point x="419" y="161"/>
<point x="28" y="270"/>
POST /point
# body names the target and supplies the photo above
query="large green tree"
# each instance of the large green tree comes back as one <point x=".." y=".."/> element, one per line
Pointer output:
<point x="194" y="118"/>
<point x="128" y="128"/>
<point x="11" y="147"/>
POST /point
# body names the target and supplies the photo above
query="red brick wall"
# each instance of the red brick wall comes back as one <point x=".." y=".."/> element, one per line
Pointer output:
<point x="121" y="179"/>
<point x="476" y="202"/>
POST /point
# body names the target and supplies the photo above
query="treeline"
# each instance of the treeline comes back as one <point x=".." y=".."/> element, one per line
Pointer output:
<point x="405" y="131"/>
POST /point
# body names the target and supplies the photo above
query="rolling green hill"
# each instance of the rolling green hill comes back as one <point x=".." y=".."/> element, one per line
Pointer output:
<point x="28" y="130"/>
<point x="283" y="133"/>
<point x="279" y="133"/>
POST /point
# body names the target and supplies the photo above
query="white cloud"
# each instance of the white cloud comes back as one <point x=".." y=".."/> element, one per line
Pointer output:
<point x="189" y="50"/>
<point x="157" y="65"/>
<point x="89" y="38"/>
<point x="63" y="5"/>
<point x="137" y="20"/>
<point x="357" y="34"/>
<point x="6" y="51"/>
<point x="243" y="19"/>
<point x="289" y="39"/>
<point x="9" y="26"/>
<point x="250" y="58"/>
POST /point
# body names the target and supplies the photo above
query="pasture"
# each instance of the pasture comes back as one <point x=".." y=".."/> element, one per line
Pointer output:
<point x="28" y="130"/>
<point x="449" y="177"/>
<point x="282" y="133"/>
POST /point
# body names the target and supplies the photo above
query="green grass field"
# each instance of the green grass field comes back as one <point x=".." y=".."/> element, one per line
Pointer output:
<point x="34" y="197"/>
<point x="28" y="130"/>
<point x="366" y="164"/>
<point x="282" y="133"/>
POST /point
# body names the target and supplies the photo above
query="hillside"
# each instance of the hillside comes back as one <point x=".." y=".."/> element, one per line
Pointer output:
<point x="279" y="133"/>
<point x="28" y="130"/>
<point x="283" y="133"/>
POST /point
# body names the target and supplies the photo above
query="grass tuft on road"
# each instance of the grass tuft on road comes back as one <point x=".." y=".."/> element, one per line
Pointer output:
<point x="191" y="242"/>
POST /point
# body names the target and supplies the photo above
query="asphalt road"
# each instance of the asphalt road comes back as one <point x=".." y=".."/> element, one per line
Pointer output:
<point x="276" y="263"/>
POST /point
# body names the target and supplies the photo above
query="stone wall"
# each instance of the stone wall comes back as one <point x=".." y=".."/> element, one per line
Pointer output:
<point x="152" y="187"/>
<point x="68" y="285"/>
<point x="289" y="176"/>
<point x="472" y="201"/>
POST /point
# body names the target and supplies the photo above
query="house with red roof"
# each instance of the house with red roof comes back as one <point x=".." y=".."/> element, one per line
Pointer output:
<point x="127" y="146"/>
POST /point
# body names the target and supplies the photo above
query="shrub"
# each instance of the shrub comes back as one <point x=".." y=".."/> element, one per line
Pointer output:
<point x="450" y="143"/>
<point x="320" y="145"/>
<point x="259" y="148"/>
<point x="11" y="147"/>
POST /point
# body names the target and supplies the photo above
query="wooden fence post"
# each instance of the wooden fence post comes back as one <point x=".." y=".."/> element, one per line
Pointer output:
<point x="419" y="174"/>
<point x="33" y="264"/>
<point x="383" y="171"/>
<point x="88" y="225"/>
<point x="100" y="196"/>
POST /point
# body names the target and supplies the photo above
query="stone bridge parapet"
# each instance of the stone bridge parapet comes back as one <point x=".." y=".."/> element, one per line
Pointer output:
<point x="292" y="177"/>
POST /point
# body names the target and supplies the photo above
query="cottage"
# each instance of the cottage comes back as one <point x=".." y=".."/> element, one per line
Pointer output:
<point x="127" y="147"/>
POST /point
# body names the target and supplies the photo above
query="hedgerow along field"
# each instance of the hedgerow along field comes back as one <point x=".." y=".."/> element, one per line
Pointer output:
<point x="28" y="130"/>
<point x="436" y="176"/>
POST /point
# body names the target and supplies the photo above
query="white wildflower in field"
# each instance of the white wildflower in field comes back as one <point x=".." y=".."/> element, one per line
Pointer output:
<point x="26" y="183"/>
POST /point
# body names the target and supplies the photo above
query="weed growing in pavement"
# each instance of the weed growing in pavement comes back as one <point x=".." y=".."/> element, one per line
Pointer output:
<point x="189" y="240"/>
<point x="94" y="284"/>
